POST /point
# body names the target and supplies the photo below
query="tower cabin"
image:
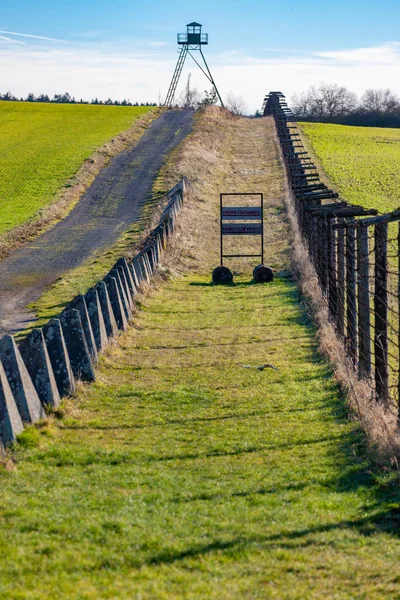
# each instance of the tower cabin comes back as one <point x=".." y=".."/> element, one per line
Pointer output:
<point x="193" y="36"/>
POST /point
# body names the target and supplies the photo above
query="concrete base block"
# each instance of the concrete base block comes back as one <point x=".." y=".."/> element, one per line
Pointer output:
<point x="29" y="406"/>
<point x="128" y="274"/>
<point x="96" y="319"/>
<point x="59" y="357"/>
<point x="36" y="358"/>
<point x="107" y="311"/>
<point x="10" y="421"/>
<point x="141" y="266"/>
<point x="134" y="275"/>
<point x="78" y="303"/>
<point x="75" y="340"/>
<point x="149" y="252"/>
<point x="159" y="246"/>
<point x="126" y="288"/>
<point x="122" y="293"/>
<point x="163" y="236"/>
<point x="146" y="262"/>
<point x="116" y="303"/>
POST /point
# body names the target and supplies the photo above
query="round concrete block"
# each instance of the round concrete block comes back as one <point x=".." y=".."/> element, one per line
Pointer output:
<point x="262" y="274"/>
<point x="222" y="276"/>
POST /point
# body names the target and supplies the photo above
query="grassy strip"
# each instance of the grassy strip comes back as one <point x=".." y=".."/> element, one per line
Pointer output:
<point x="51" y="154"/>
<point x="186" y="472"/>
<point x="183" y="474"/>
<point x="363" y="163"/>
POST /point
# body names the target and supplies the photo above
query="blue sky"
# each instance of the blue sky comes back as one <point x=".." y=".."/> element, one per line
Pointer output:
<point x="128" y="48"/>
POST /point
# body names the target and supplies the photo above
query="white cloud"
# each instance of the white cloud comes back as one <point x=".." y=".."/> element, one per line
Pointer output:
<point x="11" y="41"/>
<point x="105" y="69"/>
<point x="36" y="37"/>
<point x="387" y="54"/>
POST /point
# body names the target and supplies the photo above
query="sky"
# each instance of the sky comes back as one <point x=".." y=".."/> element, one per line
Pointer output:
<point x="127" y="49"/>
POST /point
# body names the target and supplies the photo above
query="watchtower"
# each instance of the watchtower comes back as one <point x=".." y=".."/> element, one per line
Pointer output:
<point x="190" y="42"/>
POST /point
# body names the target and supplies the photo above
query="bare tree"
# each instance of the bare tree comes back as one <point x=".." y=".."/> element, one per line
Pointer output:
<point x="324" y="102"/>
<point x="189" y="97"/>
<point x="235" y="104"/>
<point x="160" y="98"/>
<point x="380" y="101"/>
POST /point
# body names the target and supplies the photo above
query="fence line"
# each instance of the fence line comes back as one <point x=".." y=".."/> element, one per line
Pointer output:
<point x="355" y="253"/>
<point x="45" y="366"/>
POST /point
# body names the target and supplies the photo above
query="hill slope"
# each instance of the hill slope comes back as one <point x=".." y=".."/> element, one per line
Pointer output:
<point x="363" y="163"/>
<point x="43" y="145"/>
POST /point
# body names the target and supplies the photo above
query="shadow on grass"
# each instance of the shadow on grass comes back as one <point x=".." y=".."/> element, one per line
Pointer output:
<point x="366" y="526"/>
<point x="188" y="421"/>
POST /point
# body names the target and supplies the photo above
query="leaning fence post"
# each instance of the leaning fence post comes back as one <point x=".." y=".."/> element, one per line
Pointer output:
<point x="398" y="319"/>
<point x="381" y="313"/>
<point x="351" y="311"/>
<point x="364" y="317"/>
<point x="341" y="281"/>
<point x="324" y="253"/>
<point x="332" y="270"/>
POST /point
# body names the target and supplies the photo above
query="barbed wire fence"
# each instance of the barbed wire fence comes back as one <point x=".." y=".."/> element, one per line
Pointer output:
<point x="355" y="253"/>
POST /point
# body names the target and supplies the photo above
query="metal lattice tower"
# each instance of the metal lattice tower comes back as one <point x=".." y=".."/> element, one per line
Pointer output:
<point x="190" y="41"/>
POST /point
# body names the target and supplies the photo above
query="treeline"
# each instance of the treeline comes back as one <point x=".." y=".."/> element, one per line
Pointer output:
<point x="68" y="99"/>
<point x="336" y="104"/>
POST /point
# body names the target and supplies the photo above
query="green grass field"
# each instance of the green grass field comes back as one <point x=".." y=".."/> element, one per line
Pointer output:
<point x="363" y="163"/>
<point x="182" y="474"/>
<point x="43" y="145"/>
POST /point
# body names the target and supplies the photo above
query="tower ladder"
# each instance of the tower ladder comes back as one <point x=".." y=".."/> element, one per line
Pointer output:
<point x="177" y="73"/>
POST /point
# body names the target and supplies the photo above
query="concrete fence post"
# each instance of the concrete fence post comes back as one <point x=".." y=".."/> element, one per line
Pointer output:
<point x="134" y="275"/>
<point x="107" y="311"/>
<point x="79" y="304"/>
<point x="144" y="267"/>
<point x="10" y="421"/>
<point x="138" y="269"/>
<point x="147" y="262"/>
<point x="122" y="262"/>
<point x="121" y="288"/>
<point x="96" y="319"/>
<point x="76" y="343"/>
<point x="29" y="406"/>
<point x="59" y="357"/>
<point x="115" y="299"/>
<point x="37" y="361"/>
<point x="126" y="289"/>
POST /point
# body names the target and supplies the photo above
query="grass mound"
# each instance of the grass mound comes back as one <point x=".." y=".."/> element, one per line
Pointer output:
<point x="43" y="145"/>
<point x="363" y="163"/>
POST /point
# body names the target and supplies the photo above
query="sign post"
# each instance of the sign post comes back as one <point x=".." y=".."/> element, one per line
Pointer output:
<point x="246" y="214"/>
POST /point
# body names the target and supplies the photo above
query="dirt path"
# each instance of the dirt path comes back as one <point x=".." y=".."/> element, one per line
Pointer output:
<point x="105" y="211"/>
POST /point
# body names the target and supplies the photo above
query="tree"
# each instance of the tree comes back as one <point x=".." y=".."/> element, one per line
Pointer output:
<point x="380" y="101"/>
<point x="189" y="98"/>
<point x="9" y="96"/>
<point x="209" y="99"/>
<point x="325" y="102"/>
<point x="235" y="104"/>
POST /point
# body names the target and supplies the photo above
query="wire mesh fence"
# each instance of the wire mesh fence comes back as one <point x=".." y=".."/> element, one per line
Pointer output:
<point x="355" y="253"/>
